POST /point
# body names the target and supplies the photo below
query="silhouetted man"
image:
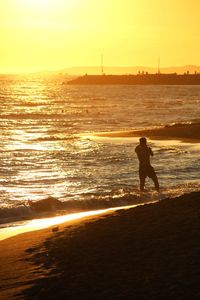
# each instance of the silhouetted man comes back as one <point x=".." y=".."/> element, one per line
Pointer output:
<point x="145" y="169"/>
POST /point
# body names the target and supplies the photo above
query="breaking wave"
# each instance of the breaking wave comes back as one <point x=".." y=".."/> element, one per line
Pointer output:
<point x="51" y="206"/>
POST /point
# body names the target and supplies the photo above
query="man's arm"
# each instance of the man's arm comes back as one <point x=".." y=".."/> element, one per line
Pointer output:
<point x="150" y="151"/>
<point x="136" y="149"/>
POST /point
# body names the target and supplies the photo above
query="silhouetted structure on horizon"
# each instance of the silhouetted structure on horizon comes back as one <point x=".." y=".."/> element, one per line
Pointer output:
<point x="139" y="79"/>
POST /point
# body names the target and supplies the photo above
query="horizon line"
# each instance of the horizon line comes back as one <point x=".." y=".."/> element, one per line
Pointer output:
<point x="94" y="66"/>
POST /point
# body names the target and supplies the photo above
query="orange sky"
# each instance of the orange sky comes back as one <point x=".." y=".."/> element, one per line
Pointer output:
<point x="55" y="34"/>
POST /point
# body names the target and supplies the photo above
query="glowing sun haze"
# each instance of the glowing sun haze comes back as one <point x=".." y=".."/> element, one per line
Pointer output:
<point x="55" y="34"/>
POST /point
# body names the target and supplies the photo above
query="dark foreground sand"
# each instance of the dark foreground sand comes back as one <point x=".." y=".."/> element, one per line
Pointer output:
<point x="149" y="252"/>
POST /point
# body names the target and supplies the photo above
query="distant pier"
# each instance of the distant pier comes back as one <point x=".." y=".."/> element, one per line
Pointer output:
<point x="139" y="79"/>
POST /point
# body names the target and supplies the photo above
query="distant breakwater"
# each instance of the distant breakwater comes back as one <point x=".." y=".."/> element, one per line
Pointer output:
<point x="139" y="79"/>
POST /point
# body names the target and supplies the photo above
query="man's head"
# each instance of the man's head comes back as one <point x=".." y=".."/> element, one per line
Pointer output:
<point x="143" y="141"/>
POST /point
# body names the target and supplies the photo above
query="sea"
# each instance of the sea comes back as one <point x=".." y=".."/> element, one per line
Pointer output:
<point x="49" y="151"/>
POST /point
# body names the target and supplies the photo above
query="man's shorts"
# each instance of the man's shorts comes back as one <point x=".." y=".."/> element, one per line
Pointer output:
<point x="147" y="171"/>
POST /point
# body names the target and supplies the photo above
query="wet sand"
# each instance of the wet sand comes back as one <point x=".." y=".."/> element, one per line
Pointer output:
<point x="183" y="132"/>
<point x="17" y="271"/>
<point x="147" y="252"/>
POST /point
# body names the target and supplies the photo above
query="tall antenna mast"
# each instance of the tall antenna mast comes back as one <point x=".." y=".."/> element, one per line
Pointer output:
<point x="159" y="65"/>
<point x="102" y="69"/>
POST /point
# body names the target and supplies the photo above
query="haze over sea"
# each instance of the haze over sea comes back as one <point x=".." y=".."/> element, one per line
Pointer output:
<point x="48" y="148"/>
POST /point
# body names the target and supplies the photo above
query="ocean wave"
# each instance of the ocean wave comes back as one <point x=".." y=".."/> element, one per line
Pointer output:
<point x="56" y="138"/>
<point x="19" y="213"/>
<point x="30" y="116"/>
<point x="51" y="206"/>
<point x="179" y="124"/>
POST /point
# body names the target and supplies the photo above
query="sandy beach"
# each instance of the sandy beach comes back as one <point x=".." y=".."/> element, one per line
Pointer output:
<point x="147" y="252"/>
<point x="184" y="132"/>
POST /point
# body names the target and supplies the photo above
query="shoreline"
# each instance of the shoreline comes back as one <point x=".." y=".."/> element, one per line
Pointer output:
<point x="180" y="132"/>
<point x="50" y="222"/>
<point x="149" y="251"/>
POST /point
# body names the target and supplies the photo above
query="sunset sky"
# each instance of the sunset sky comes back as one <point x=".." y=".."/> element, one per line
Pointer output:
<point x="55" y="34"/>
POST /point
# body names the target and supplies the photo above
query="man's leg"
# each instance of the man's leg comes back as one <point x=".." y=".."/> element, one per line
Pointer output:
<point x="156" y="183"/>
<point x="154" y="177"/>
<point x="142" y="183"/>
<point x="142" y="179"/>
